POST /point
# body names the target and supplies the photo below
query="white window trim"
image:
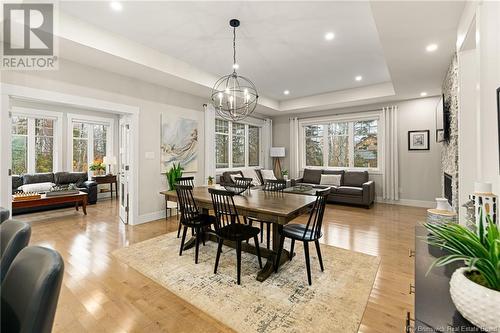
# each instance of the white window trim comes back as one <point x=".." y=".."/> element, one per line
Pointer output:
<point x="230" y="146"/>
<point x="57" y="135"/>
<point x="93" y="120"/>
<point x="346" y="118"/>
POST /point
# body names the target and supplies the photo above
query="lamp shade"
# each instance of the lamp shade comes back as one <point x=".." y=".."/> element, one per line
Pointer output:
<point x="277" y="151"/>
<point x="109" y="160"/>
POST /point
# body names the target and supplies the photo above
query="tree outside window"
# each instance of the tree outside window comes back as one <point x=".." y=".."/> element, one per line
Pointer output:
<point x="19" y="145"/>
<point x="314" y="145"/>
<point x="352" y="144"/>
<point x="236" y="145"/>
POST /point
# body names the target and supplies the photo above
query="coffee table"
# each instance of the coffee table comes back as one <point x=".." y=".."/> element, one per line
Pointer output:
<point x="77" y="199"/>
<point x="312" y="191"/>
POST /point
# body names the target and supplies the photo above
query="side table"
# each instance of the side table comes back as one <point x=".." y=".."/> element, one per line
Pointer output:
<point x="107" y="179"/>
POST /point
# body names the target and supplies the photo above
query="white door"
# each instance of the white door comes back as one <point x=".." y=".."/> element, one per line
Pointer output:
<point x="124" y="165"/>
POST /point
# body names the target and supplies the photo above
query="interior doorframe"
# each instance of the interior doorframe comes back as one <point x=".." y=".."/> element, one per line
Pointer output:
<point x="10" y="92"/>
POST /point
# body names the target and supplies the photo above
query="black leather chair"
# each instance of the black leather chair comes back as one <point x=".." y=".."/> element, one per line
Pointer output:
<point x="228" y="227"/>
<point x="14" y="236"/>
<point x="30" y="291"/>
<point x="310" y="232"/>
<point x="4" y="214"/>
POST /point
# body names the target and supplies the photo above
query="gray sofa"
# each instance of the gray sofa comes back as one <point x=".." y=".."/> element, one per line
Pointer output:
<point x="80" y="179"/>
<point x="355" y="187"/>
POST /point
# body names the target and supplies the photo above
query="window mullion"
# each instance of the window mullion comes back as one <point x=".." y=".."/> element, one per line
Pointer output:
<point x="247" y="142"/>
<point x="230" y="139"/>
<point x="325" y="145"/>
<point x="351" y="144"/>
<point x="90" y="144"/>
<point x="31" y="146"/>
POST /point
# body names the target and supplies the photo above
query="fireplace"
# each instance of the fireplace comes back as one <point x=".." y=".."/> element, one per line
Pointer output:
<point x="448" y="191"/>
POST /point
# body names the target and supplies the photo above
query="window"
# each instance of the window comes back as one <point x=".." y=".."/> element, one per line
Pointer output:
<point x="237" y="145"/>
<point x="33" y="144"/>
<point x="90" y="142"/>
<point x="19" y="145"/>
<point x="44" y="145"/>
<point x="342" y="144"/>
<point x="221" y="144"/>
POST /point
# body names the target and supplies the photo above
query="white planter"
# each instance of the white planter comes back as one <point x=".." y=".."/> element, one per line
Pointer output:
<point x="477" y="304"/>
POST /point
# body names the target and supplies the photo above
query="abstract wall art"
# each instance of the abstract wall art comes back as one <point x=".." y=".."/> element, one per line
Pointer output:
<point x="179" y="143"/>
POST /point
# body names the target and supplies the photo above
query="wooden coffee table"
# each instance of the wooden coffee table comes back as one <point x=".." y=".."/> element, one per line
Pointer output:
<point x="77" y="199"/>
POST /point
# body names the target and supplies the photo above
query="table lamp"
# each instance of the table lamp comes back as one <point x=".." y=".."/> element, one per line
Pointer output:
<point x="276" y="154"/>
<point x="109" y="160"/>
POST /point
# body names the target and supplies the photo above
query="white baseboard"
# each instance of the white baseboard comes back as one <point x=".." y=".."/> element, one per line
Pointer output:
<point x="148" y="217"/>
<point x="408" y="202"/>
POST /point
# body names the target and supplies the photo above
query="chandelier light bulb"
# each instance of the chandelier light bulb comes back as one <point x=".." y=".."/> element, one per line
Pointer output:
<point x="236" y="66"/>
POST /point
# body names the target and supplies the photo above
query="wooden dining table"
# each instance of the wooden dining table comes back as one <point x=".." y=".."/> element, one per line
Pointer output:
<point x="275" y="207"/>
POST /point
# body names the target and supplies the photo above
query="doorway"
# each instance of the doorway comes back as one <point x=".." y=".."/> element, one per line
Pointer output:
<point x="129" y="117"/>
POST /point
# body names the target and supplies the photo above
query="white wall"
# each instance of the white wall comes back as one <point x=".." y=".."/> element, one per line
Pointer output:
<point x="80" y="80"/>
<point x="479" y="72"/>
<point x="420" y="175"/>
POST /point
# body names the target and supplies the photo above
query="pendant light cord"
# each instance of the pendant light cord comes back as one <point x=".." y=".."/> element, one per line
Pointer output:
<point x="234" y="49"/>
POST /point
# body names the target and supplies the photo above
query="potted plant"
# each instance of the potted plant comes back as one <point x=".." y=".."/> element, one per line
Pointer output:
<point x="97" y="167"/>
<point x="172" y="174"/>
<point x="284" y="174"/>
<point x="210" y="180"/>
<point x="474" y="289"/>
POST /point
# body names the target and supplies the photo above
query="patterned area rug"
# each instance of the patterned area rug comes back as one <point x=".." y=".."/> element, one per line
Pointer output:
<point x="283" y="303"/>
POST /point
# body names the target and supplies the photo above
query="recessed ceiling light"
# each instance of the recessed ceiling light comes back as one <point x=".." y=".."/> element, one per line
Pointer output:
<point x="329" y="36"/>
<point x="286" y="92"/>
<point x="358" y="78"/>
<point x="423" y="94"/>
<point x="116" y="6"/>
<point x="431" y="47"/>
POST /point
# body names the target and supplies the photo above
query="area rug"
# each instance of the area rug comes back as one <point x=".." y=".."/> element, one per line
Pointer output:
<point x="283" y="303"/>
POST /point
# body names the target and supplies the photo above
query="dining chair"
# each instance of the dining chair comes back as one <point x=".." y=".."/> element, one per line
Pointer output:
<point x="228" y="227"/>
<point x="189" y="181"/>
<point x="310" y="232"/>
<point x="192" y="218"/>
<point x="271" y="185"/>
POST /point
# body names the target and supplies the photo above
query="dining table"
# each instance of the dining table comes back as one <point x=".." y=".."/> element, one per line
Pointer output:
<point x="275" y="207"/>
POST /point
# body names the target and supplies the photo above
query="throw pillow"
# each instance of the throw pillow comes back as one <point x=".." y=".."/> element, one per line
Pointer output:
<point x="267" y="174"/>
<point x="330" y="180"/>
<point x="36" y="187"/>
<point x="250" y="173"/>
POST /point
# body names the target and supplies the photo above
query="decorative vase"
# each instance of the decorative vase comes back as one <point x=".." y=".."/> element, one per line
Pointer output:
<point x="442" y="204"/>
<point x="210" y="182"/>
<point x="477" y="304"/>
<point x="285" y="177"/>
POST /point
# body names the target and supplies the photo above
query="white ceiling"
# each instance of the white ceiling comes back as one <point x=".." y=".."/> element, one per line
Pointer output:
<point x="280" y="45"/>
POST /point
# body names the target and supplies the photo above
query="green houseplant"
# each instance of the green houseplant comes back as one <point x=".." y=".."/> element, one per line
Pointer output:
<point x="474" y="289"/>
<point x="284" y="174"/>
<point x="210" y="180"/>
<point x="174" y="173"/>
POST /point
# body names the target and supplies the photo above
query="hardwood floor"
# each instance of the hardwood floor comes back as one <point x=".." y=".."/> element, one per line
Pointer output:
<point x="100" y="294"/>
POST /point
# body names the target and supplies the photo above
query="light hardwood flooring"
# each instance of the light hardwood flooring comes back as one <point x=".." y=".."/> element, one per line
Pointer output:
<point x="100" y="294"/>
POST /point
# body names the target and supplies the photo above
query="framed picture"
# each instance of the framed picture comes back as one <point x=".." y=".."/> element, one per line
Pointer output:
<point x="418" y="140"/>
<point x="439" y="135"/>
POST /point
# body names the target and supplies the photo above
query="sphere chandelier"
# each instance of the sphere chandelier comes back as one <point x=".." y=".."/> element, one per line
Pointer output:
<point x="234" y="96"/>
